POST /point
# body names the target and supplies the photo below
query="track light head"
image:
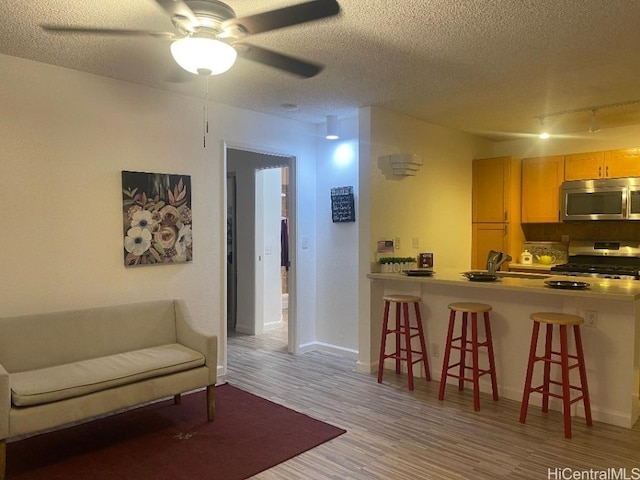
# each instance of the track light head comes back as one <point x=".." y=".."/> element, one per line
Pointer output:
<point x="594" y="126"/>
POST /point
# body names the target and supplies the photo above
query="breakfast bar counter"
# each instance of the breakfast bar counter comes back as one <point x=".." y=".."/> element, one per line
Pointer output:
<point x="612" y="344"/>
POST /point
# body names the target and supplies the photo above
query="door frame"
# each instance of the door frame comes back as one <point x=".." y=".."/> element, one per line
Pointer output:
<point x="289" y="160"/>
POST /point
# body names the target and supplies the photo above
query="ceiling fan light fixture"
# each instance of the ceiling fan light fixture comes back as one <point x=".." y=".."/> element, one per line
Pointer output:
<point x="203" y="55"/>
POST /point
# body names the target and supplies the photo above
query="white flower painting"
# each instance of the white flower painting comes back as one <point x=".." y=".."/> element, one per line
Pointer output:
<point x="157" y="218"/>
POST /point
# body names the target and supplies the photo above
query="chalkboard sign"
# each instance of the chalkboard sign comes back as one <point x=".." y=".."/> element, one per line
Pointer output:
<point x="342" y="205"/>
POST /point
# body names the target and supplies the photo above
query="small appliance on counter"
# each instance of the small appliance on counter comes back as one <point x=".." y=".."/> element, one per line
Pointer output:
<point x="526" y="258"/>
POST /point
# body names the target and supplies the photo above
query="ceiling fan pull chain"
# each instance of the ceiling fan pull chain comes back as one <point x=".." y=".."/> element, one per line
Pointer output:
<point x="205" y="121"/>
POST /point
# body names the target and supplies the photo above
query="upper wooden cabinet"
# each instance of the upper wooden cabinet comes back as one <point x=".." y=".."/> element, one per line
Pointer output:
<point x="495" y="208"/>
<point x="496" y="195"/>
<point x="622" y="163"/>
<point x="609" y="164"/>
<point x="541" y="181"/>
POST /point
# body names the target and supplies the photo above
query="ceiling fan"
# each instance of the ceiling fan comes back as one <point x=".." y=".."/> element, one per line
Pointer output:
<point x="209" y="34"/>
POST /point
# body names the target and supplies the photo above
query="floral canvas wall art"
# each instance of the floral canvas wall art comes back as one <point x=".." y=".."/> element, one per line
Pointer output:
<point x="157" y="218"/>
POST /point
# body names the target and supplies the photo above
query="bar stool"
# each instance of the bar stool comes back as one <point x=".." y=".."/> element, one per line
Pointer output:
<point x="403" y="330"/>
<point x="551" y="357"/>
<point x="462" y="343"/>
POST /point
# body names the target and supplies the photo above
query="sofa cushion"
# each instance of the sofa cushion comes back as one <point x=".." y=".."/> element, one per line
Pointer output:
<point x="79" y="378"/>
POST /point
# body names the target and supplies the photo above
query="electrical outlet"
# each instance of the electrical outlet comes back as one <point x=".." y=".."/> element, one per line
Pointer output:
<point x="396" y="243"/>
<point x="415" y="242"/>
<point x="591" y="318"/>
<point x="435" y="350"/>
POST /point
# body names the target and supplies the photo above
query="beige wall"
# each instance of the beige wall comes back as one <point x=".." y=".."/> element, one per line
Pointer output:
<point x="435" y="205"/>
<point x="65" y="137"/>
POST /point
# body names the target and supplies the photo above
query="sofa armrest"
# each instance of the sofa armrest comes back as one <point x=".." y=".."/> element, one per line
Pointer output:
<point x="191" y="336"/>
<point x="5" y="403"/>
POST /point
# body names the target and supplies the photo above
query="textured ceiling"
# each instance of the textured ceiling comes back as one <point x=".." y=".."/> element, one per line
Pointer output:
<point x="481" y="66"/>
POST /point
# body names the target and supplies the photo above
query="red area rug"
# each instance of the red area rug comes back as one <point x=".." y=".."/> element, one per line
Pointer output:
<point x="167" y="441"/>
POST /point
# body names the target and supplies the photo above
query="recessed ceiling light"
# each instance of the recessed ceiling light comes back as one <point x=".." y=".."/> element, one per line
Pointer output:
<point x="292" y="107"/>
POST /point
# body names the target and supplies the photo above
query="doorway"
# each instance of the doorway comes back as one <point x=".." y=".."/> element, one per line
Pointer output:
<point x="259" y="268"/>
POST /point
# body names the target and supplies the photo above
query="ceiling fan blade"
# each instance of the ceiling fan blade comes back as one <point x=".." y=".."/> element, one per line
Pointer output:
<point x="108" y="31"/>
<point x="177" y="9"/>
<point x="284" y="17"/>
<point x="273" y="59"/>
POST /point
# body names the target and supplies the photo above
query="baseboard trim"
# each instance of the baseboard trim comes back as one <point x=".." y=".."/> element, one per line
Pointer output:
<point x="329" y="348"/>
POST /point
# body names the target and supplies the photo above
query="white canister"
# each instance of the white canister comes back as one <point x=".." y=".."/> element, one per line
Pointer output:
<point x="526" y="258"/>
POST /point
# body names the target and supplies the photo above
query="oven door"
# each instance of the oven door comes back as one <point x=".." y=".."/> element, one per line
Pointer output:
<point x="595" y="200"/>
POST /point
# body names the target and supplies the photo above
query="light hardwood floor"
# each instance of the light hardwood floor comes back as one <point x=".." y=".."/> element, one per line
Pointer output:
<point x="394" y="434"/>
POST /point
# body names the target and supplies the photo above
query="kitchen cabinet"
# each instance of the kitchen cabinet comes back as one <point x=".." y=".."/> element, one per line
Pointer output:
<point x="608" y="164"/>
<point x="485" y="237"/>
<point x="496" y="195"/>
<point x="622" y="163"/>
<point x="542" y="178"/>
<point x="491" y="189"/>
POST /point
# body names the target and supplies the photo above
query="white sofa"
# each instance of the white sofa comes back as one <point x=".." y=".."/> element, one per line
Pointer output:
<point x="63" y="367"/>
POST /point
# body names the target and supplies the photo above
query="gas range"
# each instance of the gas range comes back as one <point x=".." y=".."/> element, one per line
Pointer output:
<point x="611" y="259"/>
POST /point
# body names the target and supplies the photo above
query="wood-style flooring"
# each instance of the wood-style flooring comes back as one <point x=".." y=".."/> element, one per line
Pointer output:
<point x="395" y="434"/>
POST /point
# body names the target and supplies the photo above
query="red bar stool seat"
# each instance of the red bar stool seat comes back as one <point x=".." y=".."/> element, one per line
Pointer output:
<point x="403" y="332"/>
<point x="465" y="346"/>
<point x="560" y="358"/>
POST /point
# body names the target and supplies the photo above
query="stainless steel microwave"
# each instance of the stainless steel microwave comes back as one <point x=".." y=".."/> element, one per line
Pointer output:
<point x="602" y="199"/>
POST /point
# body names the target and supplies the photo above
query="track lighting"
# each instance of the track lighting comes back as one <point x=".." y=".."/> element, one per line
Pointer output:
<point x="332" y="128"/>
<point x="543" y="132"/>
<point x="594" y="126"/>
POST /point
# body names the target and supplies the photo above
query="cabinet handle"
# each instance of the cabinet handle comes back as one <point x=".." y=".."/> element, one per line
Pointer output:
<point x="606" y="170"/>
<point x="505" y="230"/>
<point x="599" y="172"/>
<point x="505" y="216"/>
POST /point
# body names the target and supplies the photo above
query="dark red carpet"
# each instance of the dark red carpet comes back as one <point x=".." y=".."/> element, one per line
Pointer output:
<point x="167" y="441"/>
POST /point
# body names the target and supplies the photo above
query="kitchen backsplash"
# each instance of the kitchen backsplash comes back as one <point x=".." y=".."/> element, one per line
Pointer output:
<point x="600" y="230"/>
<point x="557" y="250"/>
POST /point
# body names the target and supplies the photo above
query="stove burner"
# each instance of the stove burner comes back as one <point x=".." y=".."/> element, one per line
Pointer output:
<point x="598" y="270"/>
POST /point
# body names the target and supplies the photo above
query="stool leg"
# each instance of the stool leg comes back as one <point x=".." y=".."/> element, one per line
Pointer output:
<point x="398" y="330"/>
<point x="447" y="354"/>
<point x="407" y="344"/>
<point x="475" y="361"/>
<point x="564" y="362"/>
<point x="583" y="374"/>
<point x="383" y="341"/>
<point x="546" y="376"/>
<point x="529" y="376"/>
<point x="463" y="351"/>
<point x="423" y="346"/>
<point x="492" y="362"/>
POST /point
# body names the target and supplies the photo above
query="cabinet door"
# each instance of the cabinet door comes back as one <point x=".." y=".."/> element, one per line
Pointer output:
<point x="489" y="180"/>
<point x="541" y="181"/>
<point x="622" y="163"/>
<point x="485" y="237"/>
<point x="584" y="166"/>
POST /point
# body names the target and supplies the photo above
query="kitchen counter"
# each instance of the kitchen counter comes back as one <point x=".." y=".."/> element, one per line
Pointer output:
<point x="604" y="288"/>
<point x="612" y="345"/>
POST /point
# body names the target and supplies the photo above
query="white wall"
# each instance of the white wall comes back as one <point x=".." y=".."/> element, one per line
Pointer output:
<point x="269" y="207"/>
<point x="337" y="244"/>
<point x="66" y="136"/>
